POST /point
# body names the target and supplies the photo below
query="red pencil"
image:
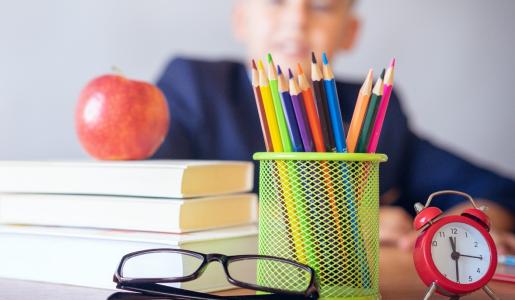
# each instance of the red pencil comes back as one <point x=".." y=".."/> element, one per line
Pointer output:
<point x="260" y="108"/>
<point x="311" y="111"/>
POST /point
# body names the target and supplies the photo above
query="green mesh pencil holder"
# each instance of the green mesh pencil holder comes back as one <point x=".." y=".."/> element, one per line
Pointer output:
<point x="322" y="209"/>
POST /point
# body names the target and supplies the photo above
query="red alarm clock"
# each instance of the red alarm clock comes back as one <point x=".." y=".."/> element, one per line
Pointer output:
<point x="454" y="255"/>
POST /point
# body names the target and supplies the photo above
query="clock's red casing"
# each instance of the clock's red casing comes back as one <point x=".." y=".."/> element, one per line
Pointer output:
<point x="427" y="270"/>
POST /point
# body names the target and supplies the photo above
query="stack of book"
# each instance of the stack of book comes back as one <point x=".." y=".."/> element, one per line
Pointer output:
<point x="71" y="222"/>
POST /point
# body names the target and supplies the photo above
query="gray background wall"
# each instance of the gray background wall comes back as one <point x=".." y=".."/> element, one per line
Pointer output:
<point x="455" y="64"/>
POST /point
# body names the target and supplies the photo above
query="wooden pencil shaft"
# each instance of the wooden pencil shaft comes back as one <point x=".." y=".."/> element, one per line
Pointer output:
<point x="379" y="120"/>
<point x="300" y="114"/>
<point x="311" y="111"/>
<point x="336" y="115"/>
<point x="313" y="120"/>
<point x="359" y="113"/>
<point x="291" y="121"/>
<point x="262" y="119"/>
<point x="261" y="110"/>
<point x="323" y="113"/>
<point x="268" y="104"/>
<point x="279" y="112"/>
<point x="364" y="136"/>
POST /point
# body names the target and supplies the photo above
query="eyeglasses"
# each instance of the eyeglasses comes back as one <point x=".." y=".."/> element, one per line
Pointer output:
<point x="146" y="271"/>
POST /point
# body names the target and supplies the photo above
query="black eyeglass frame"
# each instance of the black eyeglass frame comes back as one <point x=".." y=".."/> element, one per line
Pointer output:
<point x="126" y="283"/>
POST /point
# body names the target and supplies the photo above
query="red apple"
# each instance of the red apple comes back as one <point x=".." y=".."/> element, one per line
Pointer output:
<point x="121" y="119"/>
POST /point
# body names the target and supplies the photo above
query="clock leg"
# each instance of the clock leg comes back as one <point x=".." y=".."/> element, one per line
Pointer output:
<point x="490" y="293"/>
<point x="432" y="289"/>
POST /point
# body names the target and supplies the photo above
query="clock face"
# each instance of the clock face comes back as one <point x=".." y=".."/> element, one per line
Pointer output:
<point x="460" y="253"/>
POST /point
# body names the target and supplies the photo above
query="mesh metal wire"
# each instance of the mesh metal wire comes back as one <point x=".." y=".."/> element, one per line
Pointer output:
<point x="324" y="214"/>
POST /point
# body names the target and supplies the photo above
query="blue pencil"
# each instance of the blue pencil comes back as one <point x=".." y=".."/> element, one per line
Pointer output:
<point x="291" y="120"/>
<point x="334" y="106"/>
<point x="341" y="146"/>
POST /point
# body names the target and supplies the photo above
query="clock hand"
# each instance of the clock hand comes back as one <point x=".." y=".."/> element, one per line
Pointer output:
<point x="457" y="257"/>
<point x="479" y="257"/>
<point x="457" y="272"/>
<point x="453" y="246"/>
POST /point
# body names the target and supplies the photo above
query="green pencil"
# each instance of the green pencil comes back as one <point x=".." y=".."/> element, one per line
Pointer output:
<point x="366" y="130"/>
<point x="276" y="97"/>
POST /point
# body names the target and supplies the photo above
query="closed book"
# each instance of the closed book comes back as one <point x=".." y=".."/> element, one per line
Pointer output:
<point x="87" y="257"/>
<point x="129" y="213"/>
<point x="148" y="178"/>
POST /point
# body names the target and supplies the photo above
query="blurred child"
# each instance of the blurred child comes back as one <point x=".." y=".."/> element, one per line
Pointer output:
<point x="214" y="115"/>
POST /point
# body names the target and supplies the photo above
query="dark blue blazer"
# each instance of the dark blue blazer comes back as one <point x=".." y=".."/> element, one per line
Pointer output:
<point x="214" y="116"/>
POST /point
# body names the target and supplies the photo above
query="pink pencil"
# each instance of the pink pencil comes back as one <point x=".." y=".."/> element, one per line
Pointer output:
<point x="383" y="106"/>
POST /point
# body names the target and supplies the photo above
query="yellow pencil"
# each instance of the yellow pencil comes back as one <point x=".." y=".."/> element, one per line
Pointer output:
<point x="268" y="103"/>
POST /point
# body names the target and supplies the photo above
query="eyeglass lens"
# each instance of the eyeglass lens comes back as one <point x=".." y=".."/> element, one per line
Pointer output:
<point x="164" y="264"/>
<point x="270" y="273"/>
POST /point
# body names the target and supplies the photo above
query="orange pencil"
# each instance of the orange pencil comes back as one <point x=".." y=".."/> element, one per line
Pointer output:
<point x="311" y="111"/>
<point x="359" y="113"/>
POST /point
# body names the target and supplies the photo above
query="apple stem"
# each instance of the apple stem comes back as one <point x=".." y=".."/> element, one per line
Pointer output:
<point x="117" y="71"/>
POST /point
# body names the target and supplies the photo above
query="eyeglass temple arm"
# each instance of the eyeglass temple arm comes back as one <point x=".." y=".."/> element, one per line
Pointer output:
<point x="166" y="291"/>
<point x="154" y="289"/>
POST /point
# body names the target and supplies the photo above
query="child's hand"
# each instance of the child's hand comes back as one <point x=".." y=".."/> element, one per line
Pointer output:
<point x="505" y="242"/>
<point x="395" y="227"/>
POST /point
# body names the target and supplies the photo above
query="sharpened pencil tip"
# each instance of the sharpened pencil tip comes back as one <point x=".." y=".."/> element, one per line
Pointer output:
<point x="370" y="74"/>
<point x="290" y="73"/>
<point x="392" y="64"/>
<point x="324" y="58"/>
<point x="279" y="71"/>
<point x="254" y="64"/>
<point x="269" y="58"/>
<point x="299" y="67"/>
<point x="382" y="74"/>
<point x="260" y="65"/>
<point x="313" y="58"/>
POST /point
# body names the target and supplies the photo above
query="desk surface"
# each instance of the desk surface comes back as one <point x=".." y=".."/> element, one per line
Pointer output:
<point x="398" y="280"/>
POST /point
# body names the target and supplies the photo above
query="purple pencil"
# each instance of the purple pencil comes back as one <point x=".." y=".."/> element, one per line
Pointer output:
<point x="300" y="114"/>
<point x="289" y="112"/>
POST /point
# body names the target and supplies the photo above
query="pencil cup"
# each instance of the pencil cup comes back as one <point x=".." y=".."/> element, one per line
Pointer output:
<point x="322" y="209"/>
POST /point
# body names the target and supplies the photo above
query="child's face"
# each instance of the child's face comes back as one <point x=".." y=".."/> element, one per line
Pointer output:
<point x="291" y="29"/>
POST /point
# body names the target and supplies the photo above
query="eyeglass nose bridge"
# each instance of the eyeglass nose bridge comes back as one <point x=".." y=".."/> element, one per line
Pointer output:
<point x="216" y="257"/>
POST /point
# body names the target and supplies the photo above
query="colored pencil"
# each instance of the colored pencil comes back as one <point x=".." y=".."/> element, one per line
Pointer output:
<point x="334" y="106"/>
<point x="323" y="111"/>
<point x="268" y="103"/>
<point x="311" y="111"/>
<point x="289" y="113"/>
<point x="383" y="106"/>
<point x="364" y="136"/>
<point x="300" y="113"/>
<point x="359" y="112"/>
<point x="296" y="176"/>
<point x="286" y="192"/>
<point x="279" y="113"/>
<point x="261" y="108"/>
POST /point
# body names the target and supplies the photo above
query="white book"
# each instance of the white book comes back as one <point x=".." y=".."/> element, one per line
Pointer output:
<point x="147" y="178"/>
<point x="129" y="213"/>
<point x="87" y="257"/>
